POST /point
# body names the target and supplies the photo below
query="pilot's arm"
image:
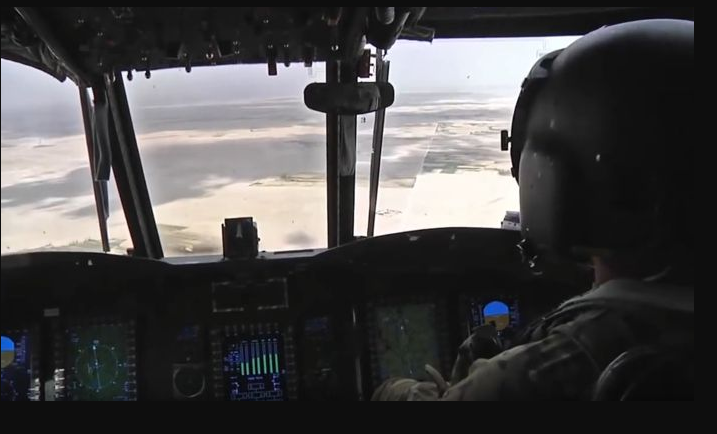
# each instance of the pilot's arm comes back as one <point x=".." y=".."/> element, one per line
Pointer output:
<point x="555" y="367"/>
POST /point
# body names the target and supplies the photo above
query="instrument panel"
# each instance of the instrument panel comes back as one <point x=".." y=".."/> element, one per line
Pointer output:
<point x="502" y="311"/>
<point x="97" y="362"/>
<point x="257" y="363"/>
<point x="20" y="376"/>
<point x="98" y="359"/>
<point x="342" y="352"/>
<point x="270" y="330"/>
<point x="229" y="357"/>
<point x="405" y="335"/>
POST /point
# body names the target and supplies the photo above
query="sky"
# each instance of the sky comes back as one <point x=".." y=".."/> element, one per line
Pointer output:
<point x="443" y="65"/>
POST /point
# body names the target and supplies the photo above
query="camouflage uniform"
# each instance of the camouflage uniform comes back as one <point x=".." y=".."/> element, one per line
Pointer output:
<point x="562" y="355"/>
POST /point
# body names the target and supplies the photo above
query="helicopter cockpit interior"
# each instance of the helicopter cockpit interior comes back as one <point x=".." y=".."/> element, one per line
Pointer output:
<point x="264" y="204"/>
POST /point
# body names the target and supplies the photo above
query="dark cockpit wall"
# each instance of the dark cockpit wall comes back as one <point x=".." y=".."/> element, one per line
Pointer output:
<point x="307" y="325"/>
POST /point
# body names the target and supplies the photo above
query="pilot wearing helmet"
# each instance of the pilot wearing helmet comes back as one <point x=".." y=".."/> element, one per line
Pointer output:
<point x="603" y="152"/>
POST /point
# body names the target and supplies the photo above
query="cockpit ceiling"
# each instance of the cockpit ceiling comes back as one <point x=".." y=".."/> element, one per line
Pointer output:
<point x="85" y="42"/>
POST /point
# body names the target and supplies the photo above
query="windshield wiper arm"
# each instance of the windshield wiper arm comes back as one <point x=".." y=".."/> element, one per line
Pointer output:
<point x="100" y="175"/>
<point x="375" y="169"/>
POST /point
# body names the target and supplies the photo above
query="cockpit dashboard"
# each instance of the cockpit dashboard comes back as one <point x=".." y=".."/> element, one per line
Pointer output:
<point x="328" y="325"/>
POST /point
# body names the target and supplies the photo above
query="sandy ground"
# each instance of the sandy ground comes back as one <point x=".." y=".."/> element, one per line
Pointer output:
<point x="441" y="167"/>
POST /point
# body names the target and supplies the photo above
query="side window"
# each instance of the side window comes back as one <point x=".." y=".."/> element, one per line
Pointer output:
<point x="47" y="196"/>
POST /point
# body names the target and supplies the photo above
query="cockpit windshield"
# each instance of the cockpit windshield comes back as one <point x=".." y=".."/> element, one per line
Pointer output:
<point x="230" y="141"/>
<point x="441" y="162"/>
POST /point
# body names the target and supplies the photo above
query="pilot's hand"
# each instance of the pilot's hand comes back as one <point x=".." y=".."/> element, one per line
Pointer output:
<point x="406" y="389"/>
<point x="483" y="343"/>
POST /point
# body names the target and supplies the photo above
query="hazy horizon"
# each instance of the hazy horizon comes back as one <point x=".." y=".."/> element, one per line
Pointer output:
<point x="447" y="66"/>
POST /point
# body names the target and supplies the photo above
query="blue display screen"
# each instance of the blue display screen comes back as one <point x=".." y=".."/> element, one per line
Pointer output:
<point x="254" y="367"/>
<point x="17" y="367"/>
<point x="503" y="315"/>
